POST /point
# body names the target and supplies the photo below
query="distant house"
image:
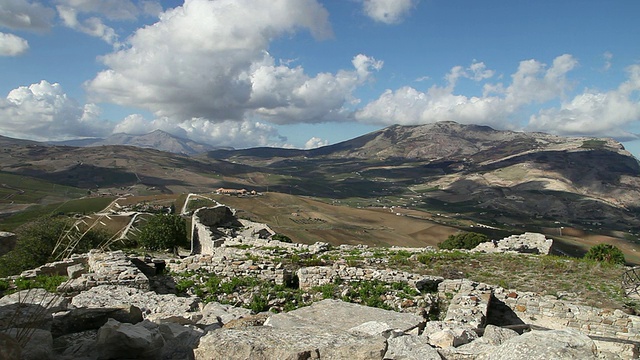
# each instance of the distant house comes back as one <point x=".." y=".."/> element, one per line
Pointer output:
<point x="224" y="191"/>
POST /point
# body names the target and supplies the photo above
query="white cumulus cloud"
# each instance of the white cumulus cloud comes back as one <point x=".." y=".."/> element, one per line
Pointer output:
<point x="12" y="45"/>
<point x="533" y="82"/>
<point x="25" y="15"/>
<point x="209" y="60"/>
<point x="388" y="11"/>
<point x="228" y="133"/>
<point x="315" y="142"/>
<point x="43" y="111"/>
<point x="595" y="113"/>
<point x="92" y="26"/>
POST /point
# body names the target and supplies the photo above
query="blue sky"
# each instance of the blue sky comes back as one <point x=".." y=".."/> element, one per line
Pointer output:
<point x="306" y="73"/>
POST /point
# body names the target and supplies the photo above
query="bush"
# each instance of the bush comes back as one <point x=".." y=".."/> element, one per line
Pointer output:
<point x="605" y="253"/>
<point x="281" y="237"/>
<point x="163" y="231"/>
<point x="37" y="241"/>
<point x="463" y="241"/>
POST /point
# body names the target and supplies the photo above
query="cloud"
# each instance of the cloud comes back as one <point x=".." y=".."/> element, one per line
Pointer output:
<point x="111" y="9"/>
<point x="209" y="60"/>
<point x="315" y="142"/>
<point x="12" y="45"/>
<point x="594" y="113"/>
<point x="388" y="11"/>
<point x="92" y="26"/>
<point x="533" y="82"/>
<point x="607" y="56"/>
<point x="43" y="111"/>
<point x="25" y="15"/>
<point x="228" y="133"/>
<point x="286" y="95"/>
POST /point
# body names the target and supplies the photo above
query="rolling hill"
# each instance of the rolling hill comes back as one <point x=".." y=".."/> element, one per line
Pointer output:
<point x="466" y="172"/>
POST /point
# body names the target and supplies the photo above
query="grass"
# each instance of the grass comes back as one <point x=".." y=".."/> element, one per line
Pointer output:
<point x="78" y="206"/>
<point x="582" y="281"/>
<point x="27" y="190"/>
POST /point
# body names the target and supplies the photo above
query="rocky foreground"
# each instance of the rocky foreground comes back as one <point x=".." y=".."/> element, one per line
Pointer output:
<point x="116" y="306"/>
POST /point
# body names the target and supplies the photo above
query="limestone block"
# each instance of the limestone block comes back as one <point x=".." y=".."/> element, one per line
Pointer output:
<point x="126" y="341"/>
<point x="542" y="345"/>
<point x="410" y="347"/>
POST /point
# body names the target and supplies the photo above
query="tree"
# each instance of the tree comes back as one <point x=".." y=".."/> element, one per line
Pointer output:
<point x="606" y="253"/>
<point x="37" y="242"/>
<point x="463" y="241"/>
<point x="163" y="231"/>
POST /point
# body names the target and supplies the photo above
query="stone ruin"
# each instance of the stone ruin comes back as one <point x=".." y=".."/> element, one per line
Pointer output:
<point x="112" y="308"/>
<point x="213" y="226"/>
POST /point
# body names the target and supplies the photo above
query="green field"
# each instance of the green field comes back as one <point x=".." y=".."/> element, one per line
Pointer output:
<point x="27" y="190"/>
<point x="78" y="206"/>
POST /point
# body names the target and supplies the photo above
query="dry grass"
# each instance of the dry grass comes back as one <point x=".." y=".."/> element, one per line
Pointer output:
<point x="581" y="281"/>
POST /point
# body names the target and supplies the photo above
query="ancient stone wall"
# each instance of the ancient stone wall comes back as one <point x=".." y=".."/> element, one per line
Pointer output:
<point x="548" y="311"/>
<point x="309" y="277"/>
<point x="228" y="267"/>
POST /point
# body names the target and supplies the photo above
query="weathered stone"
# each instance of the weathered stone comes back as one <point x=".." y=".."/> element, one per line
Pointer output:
<point x="530" y="243"/>
<point x="37" y="344"/>
<point x="75" y="271"/>
<point x="543" y="345"/>
<point x="30" y="308"/>
<point x="179" y="341"/>
<point x="410" y="347"/>
<point x="148" y="302"/>
<point x="336" y="314"/>
<point x="9" y="347"/>
<point x="77" y="320"/>
<point x="247" y="321"/>
<point x="126" y="341"/>
<point x="80" y="345"/>
<point x="449" y="334"/>
<point x="267" y="343"/>
<point x="495" y="335"/>
<point x="376" y="328"/>
<point x="216" y="313"/>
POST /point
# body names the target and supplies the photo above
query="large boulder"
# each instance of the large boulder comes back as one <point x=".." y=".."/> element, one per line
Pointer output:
<point x="410" y="347"/>
<point x="37" y="344"/>
<point x="179" y="341"/>
<point x="78" y="320"/>
<point x="444" y="334"/>
<point x="563" y="344"/>
<point x="30" y="309"/>
<point x="267" y="343"/>
<point x="336" y="314"/>
<point x="151" y="303"/>
<point x="9" y="347"/>
<point x="126" y="341"/>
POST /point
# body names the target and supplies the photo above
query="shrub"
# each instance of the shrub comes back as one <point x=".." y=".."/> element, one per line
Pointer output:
<point x="463" y="241"/>
<point x="45" y="240"/>
<point x="163" y="231"/>
<point x="281" y="237"/>
<point x="605" y="253"/>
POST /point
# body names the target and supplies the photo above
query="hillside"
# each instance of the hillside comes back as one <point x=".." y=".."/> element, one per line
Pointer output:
<point x="158" y="139"/>
<point x="469" y="174"/>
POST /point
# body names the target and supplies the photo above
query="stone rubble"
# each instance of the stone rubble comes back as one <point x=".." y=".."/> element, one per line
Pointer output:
<point x="109" y="310"/>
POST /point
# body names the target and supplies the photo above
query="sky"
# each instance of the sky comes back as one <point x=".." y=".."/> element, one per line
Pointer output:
<point x="308" y="73"/>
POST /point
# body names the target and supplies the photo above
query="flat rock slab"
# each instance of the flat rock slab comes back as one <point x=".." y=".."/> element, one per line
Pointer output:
<point x="336" y="314"/>
<point x="149" y="302"/>
<point x="266" y="343"/>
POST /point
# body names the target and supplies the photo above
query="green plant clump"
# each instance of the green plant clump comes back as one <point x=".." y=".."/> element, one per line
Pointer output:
<point x="163" y="231"/>
<point x="282" y="237"/>
<point x="606" y="253"/>
<point x="463" y="241"/>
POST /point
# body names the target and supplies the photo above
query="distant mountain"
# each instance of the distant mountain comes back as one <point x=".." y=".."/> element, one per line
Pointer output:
<point x="476" y="173"/>
<point x="7" y="141"/>
<point x="158" y="139"/>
